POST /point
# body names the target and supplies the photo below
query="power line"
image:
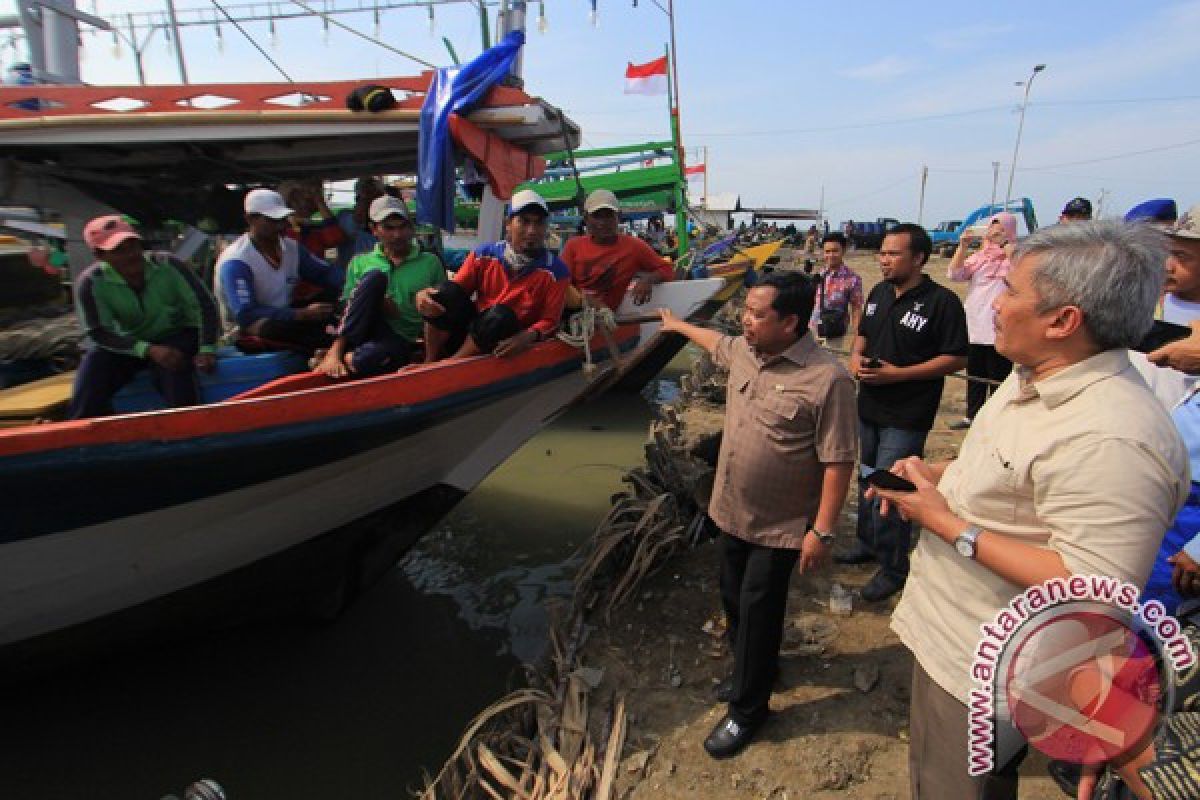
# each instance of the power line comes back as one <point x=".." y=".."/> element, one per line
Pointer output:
<point x="873" y="192"/>
<point x="1115" y="157"/>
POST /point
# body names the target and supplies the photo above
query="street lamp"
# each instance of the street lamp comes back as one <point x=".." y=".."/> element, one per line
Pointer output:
<point x="1012" y="170"/>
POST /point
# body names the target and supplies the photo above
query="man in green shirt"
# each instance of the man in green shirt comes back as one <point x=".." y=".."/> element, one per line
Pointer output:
<point x="381" y="323"/>
<point x="141" y="311"/>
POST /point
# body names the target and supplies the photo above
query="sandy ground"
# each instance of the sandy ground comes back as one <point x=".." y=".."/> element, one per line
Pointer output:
<point x="840" y="724"/>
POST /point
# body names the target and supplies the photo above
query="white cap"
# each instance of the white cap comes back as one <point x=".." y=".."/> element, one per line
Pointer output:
<point x="386" y="206"/>
<point x="601" y="198"/>
<point x="266" y="202"/>
<point x="526" y="198"/>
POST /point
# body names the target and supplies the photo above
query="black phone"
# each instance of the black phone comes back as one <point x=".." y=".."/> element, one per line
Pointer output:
<point x="1162" y="334"/>
<point x="883" y="479"/>
<point x="873" y="362"/>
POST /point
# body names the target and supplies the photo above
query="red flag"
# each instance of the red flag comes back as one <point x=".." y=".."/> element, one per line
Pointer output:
<point x="649" y="78"/>
<point x="696" y="170"/>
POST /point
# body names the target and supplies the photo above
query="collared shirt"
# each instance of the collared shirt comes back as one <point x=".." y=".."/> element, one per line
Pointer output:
<point x="1085" y="463"/>
<point x="418" y="270"/>
<point x="119" y="319"/>
<point x="841" y="289"/>
<point x="785" y="418"/>
<point x="925" y="322"/>
<point x="535" y="294"/>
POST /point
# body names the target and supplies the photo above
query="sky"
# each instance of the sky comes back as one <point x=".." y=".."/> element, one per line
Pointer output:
<point x="799" y="101"/>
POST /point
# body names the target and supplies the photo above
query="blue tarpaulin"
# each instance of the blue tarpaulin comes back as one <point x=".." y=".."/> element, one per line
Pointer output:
<point x="453" y="90"/>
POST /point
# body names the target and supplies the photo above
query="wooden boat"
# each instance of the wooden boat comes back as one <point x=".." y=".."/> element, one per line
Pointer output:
<point x="104" y="515"/>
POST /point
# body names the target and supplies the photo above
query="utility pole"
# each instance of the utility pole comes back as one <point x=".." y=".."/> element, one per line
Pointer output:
<point x="995" y="179"/>
<point x="921" y="204"/>
<point x="177" y="41"/>
<point x="1012" y="171"/>
<point x="706" y="176"/>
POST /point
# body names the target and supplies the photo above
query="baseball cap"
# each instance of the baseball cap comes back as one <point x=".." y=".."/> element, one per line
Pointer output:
<point x="105" y="233"/>
<point x="1188" y="226"/>
<point x="1078" y="207"/>
<point x="385" y="206"/>
<point x="266" y="202"/>
<point x="526" y="198"/>
<point x="601" y="198"/>
<point x="1158" y="210"/>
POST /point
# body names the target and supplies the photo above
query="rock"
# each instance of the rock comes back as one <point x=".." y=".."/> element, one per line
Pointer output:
<point x="735" y="780"/>
<point x="637" y="761"/>
<point x="866" y="676"/>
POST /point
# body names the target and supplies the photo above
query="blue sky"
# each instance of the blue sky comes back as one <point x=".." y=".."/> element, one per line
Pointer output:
<point x="790" y="97"/>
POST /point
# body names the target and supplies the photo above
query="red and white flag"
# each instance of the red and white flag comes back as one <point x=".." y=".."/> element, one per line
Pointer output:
<point x="696" y="170"/>
<point x="650" y="78"/>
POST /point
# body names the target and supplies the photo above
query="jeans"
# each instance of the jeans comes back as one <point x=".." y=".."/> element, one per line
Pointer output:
<point x="102" y="373"/>
<point x="886" y="538"/>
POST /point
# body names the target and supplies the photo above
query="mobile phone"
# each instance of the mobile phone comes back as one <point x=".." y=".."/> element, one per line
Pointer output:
<point x="1162" y="334"/>
<point x="874" y="363"/>
<point x="883" y="479"/>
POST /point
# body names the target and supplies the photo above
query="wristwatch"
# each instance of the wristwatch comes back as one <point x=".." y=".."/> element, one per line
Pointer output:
<point x="965" y="543"/>
<point x="822" y="536"/>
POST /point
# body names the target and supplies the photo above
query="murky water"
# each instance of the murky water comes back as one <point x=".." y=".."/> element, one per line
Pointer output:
<point x="355" y="709"/>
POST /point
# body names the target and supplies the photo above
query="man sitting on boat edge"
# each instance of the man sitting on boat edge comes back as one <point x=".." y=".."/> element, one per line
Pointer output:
<point x="258" y="271"/>
<point x="518" y="286"/>
<point x="380" y="325"/>
<point x="606" y="264"/>
<point x="140" y="310"/>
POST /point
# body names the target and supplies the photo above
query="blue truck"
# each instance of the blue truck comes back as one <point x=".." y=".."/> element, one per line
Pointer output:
<point x="945" y="236"/>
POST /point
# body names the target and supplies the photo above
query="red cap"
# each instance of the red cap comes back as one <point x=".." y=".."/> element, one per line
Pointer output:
<point x="105" y="233"/>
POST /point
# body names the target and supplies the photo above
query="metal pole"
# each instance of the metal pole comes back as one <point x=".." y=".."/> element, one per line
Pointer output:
<point x="1012" y="170"/>
<point x="178" y="42"/>
<point x="137" y="50"/>
<point x="921" y="205"/>
<point x="706" y="176"/>
<point x="995" y="179"/>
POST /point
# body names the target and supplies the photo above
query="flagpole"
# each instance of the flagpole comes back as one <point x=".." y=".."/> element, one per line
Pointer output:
<point x="680" y="162"/>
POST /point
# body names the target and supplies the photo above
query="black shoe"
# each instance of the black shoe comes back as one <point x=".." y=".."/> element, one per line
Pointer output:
<point x="1066" y="775"/>
<point x="730" y="737"/>
<point x="859" y="555"/>
<point x="881" y="587"/>
<point x="723" y="691"/>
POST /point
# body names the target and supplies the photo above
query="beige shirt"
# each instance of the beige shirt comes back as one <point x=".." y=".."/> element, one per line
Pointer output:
<point x="785" y="418"/>
<point x="1085" y="463"/>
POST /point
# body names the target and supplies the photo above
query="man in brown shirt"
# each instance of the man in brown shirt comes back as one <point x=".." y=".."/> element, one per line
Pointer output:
<point x="786" y="459"/>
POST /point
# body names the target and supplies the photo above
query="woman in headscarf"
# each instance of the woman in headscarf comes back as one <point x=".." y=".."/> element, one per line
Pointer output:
<point x="985" y="272"/>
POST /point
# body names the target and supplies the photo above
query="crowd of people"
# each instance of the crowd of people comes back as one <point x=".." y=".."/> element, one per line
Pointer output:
<point x="383" y="302"/>
<point x="1077" y="457"/>
<point x="1072" y="463"/>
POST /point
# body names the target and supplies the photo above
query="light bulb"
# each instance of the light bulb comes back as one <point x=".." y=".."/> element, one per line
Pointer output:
<point x="220" y="39"/>
<point x="325" y="31"/>
<point x="594" y="18"/>
<point x="432" y="21"/>
<point x="274" y="35"/>
<point x="378" y="26"/>
<point x="542" y="26"/>
<point x="116" y="46"/>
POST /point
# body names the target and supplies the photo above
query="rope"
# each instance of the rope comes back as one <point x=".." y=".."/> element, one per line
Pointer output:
<point x="583" y="325"/>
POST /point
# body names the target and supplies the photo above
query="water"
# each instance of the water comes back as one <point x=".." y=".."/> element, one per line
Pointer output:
<point x="353" y="709"/>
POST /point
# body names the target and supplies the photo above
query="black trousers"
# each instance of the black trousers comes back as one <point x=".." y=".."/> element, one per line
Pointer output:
<point x="102" y="374"/>
<point x="487" y="328"/>
<point x="375" y="347"/>
<point x="754" y="590"/>
<point x="983" y="362"/>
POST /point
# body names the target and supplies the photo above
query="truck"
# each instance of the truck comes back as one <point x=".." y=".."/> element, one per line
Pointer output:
<point x="946" y="235"/>
<point x="869" y="235"/>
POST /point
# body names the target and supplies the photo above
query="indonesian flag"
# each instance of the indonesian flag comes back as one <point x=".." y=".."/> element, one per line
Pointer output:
<point x="650" y="78"/>
<point x="696" y="170"/>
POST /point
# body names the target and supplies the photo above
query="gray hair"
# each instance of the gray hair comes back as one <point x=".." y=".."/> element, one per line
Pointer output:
<point x="1111" y="271"/>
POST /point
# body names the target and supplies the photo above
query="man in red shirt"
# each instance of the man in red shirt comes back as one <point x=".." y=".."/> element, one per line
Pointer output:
<point x="518" y="286"/>
<point x="605" y="263"/>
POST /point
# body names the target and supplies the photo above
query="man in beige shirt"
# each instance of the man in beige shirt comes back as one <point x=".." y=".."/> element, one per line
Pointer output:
<point x="787" y="455"/>
<point x="1072" y="467"/>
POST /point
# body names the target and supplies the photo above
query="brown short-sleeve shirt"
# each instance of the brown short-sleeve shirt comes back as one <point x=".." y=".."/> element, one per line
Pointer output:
<point x="785" y="418"/>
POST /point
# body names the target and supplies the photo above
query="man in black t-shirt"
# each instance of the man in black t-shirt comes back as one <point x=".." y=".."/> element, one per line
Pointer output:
<point x="913" y="333"/>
